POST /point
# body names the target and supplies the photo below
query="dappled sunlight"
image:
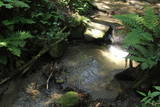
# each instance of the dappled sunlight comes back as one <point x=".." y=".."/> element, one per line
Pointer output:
<point x="115" y="55"/>
<point x="52" y="98"/>
<point x="31" y="90"/>
<point x="94" y="33"/>
<point x="96" y="30"/>
<point x="117" y="52"/>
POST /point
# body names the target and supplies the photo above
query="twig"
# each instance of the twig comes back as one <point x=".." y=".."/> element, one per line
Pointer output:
<point x="49" y="79"/>
<point x="5" y="80"/>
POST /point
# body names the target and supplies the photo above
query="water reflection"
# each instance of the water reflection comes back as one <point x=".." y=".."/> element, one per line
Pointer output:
<point x="94" y="69"/>
<point x="118" y="52"/>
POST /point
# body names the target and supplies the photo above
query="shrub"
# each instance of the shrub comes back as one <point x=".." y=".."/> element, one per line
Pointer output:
<point x="151" y="99"/>
<point x="143" y="37"/>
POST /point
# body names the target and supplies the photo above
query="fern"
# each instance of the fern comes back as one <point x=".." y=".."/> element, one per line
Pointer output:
<point x="150" y="19"/>
<point x="17" y="20"/>
<point x="141" y="38"/>
<point x="15" y="42"/>
<point x="130" y="20"/>
<point x="13" y="3"/>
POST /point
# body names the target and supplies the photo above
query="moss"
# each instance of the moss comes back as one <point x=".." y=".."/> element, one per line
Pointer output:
<point x="69" y="99"/>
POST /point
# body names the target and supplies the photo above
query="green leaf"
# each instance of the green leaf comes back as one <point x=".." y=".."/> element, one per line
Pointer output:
<point x="144" y="99"/>
<point x="15" y="51"/>
<point x="8" y="22"/>
<point x="16" y="42"/>
<point x="155" y="94"/>
<point x="133" y="38"/>
<point x="18" y="20"/>
<point x="20" y="4"/>
<point x="144" y="66"/>
<point x="8" y="6"/>
<point x="142" y="93"/>
<point x="150" y="19"/>
<point x="1" y="3"/>
<point x="147" y="36"/>
<point x="157" y="87"/>
<point x="3" y="44"/>
<point x="137" y="58"/>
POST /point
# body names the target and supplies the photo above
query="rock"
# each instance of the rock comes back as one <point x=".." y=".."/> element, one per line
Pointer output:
<point x="127" y="75"/>
<point x="69" y="99"/>
<point x="77" y="33"/>
<point x="95" y="31"/>
<point x="57" y="50"/>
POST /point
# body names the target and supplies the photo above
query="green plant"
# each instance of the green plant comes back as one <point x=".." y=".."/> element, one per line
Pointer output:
<point x="77" y="20"/>
<point x="13" y="3"/>
<point x="23" y="18"/>
<point x="14" y="44"/>
<point x="80" y="6"/>
<point x="151" y="99"/>
<point x="143" y="36"/>
<point x="69" y="99"/>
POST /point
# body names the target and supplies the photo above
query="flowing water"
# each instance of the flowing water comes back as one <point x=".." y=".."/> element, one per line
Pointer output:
<point x="91" y="68"/>
<point x="88" y="67"/>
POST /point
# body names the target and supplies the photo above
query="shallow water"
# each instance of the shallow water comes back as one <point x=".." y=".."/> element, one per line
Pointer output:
<point x="92" y="68"/>
<point x="88" y="67"/>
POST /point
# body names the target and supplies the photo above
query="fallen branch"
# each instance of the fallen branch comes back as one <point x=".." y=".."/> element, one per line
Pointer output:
<point x="27" y="66"/>
<point x="49" y="79"/>
<point x="5" y="80"/>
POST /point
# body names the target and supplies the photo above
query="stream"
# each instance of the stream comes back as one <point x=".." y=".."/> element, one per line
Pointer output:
<point x="88" y="67"/>
<point x="92" y="68"/>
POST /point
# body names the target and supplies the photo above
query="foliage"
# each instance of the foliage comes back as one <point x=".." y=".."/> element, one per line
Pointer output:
<point x="43" y="20"/>
<point x="15" y="42"/>
<point x="77" y="20"/>
<point x="13" y="3"/>
<point x="20" y="19"/>
<point x="80" y="6"/>
<point x="69" y="99"/>
<point x="151" y="99"/>
<point x="142" y="38"/>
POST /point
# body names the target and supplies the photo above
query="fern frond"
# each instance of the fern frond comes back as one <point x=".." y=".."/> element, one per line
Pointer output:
<point x="15" y="42"/>
<point x="130" y="20"/>
<point x="18" y="20"/>
<point x="133" y="38"/>
<point x="14" y="50"/>
<point x="21" y="4"/>
<point x="143" y="31"/>
<point x="146" y="36"/>
<point x="150" y="19"/>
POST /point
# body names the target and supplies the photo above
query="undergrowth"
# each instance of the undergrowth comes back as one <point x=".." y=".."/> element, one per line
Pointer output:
<point x="143" y="37"/>
<point x="23" y="22"/>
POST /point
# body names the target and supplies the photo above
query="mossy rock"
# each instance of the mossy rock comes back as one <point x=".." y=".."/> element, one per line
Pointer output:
<point x="57" y="50"/>
<point x="77" y="32"/>
<point x="69" y="99"/>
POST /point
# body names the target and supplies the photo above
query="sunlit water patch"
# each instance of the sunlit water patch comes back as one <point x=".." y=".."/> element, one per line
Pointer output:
<point x="92" y="68"/>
